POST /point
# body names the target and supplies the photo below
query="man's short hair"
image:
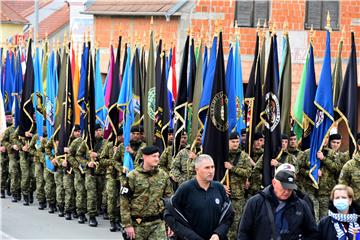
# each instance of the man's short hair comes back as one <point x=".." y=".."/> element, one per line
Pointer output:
<point x="201" y="158"/>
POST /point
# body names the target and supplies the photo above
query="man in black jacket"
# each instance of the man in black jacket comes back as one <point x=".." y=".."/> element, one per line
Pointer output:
<point x="200" y="208"/>
<point x="277" y="212"/>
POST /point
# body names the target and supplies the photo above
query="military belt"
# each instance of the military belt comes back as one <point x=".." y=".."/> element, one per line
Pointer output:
<point x="139" y="219"/>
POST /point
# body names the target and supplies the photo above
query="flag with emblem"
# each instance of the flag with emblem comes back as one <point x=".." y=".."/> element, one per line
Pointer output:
<point x="217" y="123"/>
<point x="324" y="113"/>
<point x="337" y="78"/>
<point x="38" y="97"/>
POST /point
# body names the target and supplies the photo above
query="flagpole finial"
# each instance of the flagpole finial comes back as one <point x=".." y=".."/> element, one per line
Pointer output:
<point x="273" y="29"/>
<point x="46" y="36"/>
<point x="58" y="44"/>
<point x="30" y="33"/>
<point x="312" y="33"/>
<point x="265" y="23"/>
<point x="328" y="22"/>
<point x="342" y="34"/>
<point x="285" y="28"/>
<point x="65" y="39"/>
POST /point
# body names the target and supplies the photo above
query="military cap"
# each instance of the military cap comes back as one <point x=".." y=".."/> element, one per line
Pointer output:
<point x="97" y="126"/>
<point x="8" y="113"/>
<point x="284" y="136"/>
<point x="286" y="176"/>
<point x="234" y="135"/>
<point x="170" y="130"/>
<point x="77" y="127"/>
<point x="120" y="131"/>
<point x="292" y="134"/>
<point x="335" y="136"/>
<point x="150" y="150"/>
<point x="135" y="129"/>
<point x="141" y="129"/>
<point x="258" y="135"/>
<point x="358" y="141"/>
<point x="243" y="131"/>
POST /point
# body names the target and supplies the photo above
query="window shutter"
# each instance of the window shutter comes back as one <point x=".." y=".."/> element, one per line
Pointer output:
<point x="333" y="8"/>
<point x="261" y="11"/>
<point x="313" y="16"/>
<point x="244" y="12"/>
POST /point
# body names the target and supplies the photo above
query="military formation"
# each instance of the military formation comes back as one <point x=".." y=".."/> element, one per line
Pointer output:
<point x="87" y="184"/>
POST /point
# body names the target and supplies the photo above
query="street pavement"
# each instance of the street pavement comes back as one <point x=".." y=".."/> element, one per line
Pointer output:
<point x="27" y="222"/>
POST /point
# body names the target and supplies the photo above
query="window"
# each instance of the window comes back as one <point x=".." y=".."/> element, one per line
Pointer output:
<point x="248" y="12"/>
<point x="316" y="13"/>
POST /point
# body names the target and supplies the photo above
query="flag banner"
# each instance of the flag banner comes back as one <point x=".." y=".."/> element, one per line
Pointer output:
<point x="17" y="89"/>
<point x="181" y="101"/>
<point x="100" y="108"/>
<point x="26" y="107"/>
<point x="337" y="78"/>
<point x="239" y="90"/>
<point x="324" y="113"/>
<point x="347" y="105"/>
<point x="271" y="116"/>
<point x="309" y="106"/>
<point x="217" y="124"/>
<point x="38" y="98"/>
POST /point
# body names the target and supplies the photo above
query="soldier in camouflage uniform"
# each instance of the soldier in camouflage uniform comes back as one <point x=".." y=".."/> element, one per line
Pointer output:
<point x="329" y="168"/>
<point x="37" y="150"/>
<point x="293" y="146"/>
<point x="113" y="169"/>
<point x="257" y="148"/>
<point x="4" y="159"/>
<point x="70" y="164"/>
<point x="166" y="156"/>
<point x="136" y="144"/>
<point x="239" y="170"/>
<point x="350" y="174"/>
<point x="141" y="198"/>
<point x="183" y="165"/>
<point x="53" y="180"/>
<point x="90" y="162"/>
<point x="342" y="157"/>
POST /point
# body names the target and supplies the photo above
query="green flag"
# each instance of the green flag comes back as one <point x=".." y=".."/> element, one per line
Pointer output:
<point x="285" y="90"/>
<point x="150" y="95"/>
<point x="299" y="103"/>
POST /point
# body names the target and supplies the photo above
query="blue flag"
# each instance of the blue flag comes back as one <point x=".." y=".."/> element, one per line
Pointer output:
<point x="324" y="115"/>
<point x="309" y="107"/>
<point x="125" y="102"/>
<point x="8" y="82"/>
<point x="205" y="63"/>
<point x="101" y="111"/>
<point x="38" y="100"/>
<point x="230" y="89"/>
<point x="239" y="91"/>
<point x="50" y="102"/>
<point x="206" y="94"/>
<point x="83" y="85"/>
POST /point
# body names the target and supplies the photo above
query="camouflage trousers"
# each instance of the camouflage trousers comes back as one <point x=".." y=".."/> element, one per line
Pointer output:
<point x="315" y="199"/>
<point x="40" y="182"/>
<point x="60" y="192"/>
<point x="27" y="173"/>
<point x="69" y="198"/>
<point x="323" y="205"/>
<point x="112" y="192"/>
<point x="50" y="187"/>
<point x="80" y="192"/>
<point x="15" y="174"/>
<point x="91" y="190"/>
<point x="238" y="206"/>
<point x="5" y="175"/>
<point x="150" y="230"/>
<point x="101" y="194"/>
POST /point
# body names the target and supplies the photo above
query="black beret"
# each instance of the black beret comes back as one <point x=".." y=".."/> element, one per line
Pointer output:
<point x="150" y="150"/>
<point x="170" y="130"/>
<point x="8" y="113"/>
<point x="234" y="135"/>
<point x="135" y="129"/>
<point x="141" y="129"/>
<point x="284" y="136"/>
<point x="77" y="127"/>
<point x="243" y="131"/>
<point x="335" y="136"/>
<point x="292" y="134"/>
<point x="97" y="126"/>
<point x="358" y="141"/>
<point x="257" y="136"/>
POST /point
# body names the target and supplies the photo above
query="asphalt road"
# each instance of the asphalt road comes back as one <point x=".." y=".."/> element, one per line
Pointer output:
<point x="27" y="222"/>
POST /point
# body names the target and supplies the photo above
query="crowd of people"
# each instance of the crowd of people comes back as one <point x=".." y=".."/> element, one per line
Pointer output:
<point x="168" y="197"/>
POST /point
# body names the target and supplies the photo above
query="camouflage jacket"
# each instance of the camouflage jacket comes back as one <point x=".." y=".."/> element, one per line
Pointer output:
<point x="142" y="194"/>
<point x="350" y="175"/>
<point x="294" y="151"/>
<point x="329" y="167"/>
<point x="240" y="171"/>
<point x="7" y="140"/>
<point x="37" y="151"/>
<point x="98" y="147"/>
<point x="166" y="159"/>
<point x="256" y="154"/>
<point x="111" y="161"/>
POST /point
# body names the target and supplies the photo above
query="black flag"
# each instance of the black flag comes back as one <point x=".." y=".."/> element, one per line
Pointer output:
<point x="26" y="107"/>
<point x="347" y="103"/>
<point x="216" y="142"/>
<point x="271" y="117"/>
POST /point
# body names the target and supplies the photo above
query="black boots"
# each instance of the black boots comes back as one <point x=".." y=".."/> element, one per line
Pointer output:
<point x="75" y="214"/>
<point x="68" y="215"/>
<point x="93" y="222"/>
<point x="31" y="197"/>
<point x="61" y="211"/>
<point x="2" y="194"/>
<point x="26" y="200"/>
<point x="52" y="208"/>
<point x="42" y="205"/>
<point x="105" y="214"/>
<point x="113" y="227"/>
<point x="82" y="219"/>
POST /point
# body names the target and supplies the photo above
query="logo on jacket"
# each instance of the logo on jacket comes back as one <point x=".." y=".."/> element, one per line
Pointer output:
<point x="217" y="201"/>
